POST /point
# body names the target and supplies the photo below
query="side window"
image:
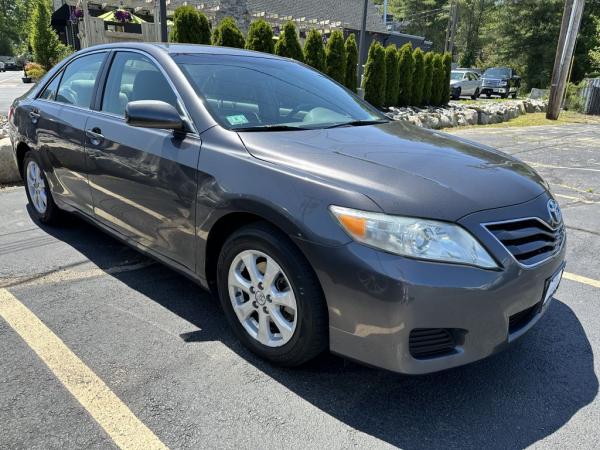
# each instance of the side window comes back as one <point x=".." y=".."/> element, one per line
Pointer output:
<point x="133" y="76"/>
<point x="78" y="80"/>
<point x="49" y="92"/>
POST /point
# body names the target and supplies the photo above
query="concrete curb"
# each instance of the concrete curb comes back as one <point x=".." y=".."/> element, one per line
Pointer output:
<point x="8" y="168"/>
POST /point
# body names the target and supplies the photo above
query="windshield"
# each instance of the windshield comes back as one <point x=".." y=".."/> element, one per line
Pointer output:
<point x="262" y="93"/>
<point x="496" y="72"/>
<point x="456" y="75"/>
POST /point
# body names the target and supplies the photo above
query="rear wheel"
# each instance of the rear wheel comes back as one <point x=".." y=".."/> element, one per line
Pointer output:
<point x="38" y="190"/>
<point x="271" y="296"/>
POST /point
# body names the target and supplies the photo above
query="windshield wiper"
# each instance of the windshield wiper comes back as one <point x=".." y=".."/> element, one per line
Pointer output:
<point x="358" y="123"/>
<point x="270" y="128"/>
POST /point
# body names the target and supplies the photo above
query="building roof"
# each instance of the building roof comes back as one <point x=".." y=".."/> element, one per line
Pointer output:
<point x="349" y="12"/>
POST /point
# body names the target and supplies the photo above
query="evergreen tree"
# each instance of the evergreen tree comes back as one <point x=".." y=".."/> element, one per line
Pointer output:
<point x="47" y="48"/>
<point x="374" y="81"/>
<point x="227" y="34"/>
<point x="437" y="80"/>
<point x="190" y="26"/>
<point x="288" y="44"/>
<point x="335" y="57"/>
<point x="314" y="52"/>
<point x="391" y="78"/>
<point x="428" y="79"/>
<point x="351" y="62"/>
<point x="260" y="37"/>
<point x="418" y="77"/>
<point x="447" y="68"/>
<point x="405" y="69"/>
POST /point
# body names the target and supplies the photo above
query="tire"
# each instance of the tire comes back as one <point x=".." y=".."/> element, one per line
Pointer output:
<point x="475" y="95"/>
<point x="488" y="95"/>
<point x="504" y="95"/>
<point x="515" y="95"/>
<point x="457" y="96"/>
<point x="50" y="214"/>
<point x="309" y="336"/>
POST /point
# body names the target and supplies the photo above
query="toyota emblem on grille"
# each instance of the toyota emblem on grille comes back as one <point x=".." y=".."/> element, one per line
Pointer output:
<point x="554" y="212"/>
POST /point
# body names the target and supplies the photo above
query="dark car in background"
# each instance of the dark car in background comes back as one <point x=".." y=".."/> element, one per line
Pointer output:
<point x="501" y="81"/>
<point x="317" y="221"/>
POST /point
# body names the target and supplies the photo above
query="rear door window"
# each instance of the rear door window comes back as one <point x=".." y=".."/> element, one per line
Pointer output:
<point x="78" y="80"/>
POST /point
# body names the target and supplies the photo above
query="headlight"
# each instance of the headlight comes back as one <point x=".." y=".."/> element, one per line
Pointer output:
<point x="417" y="238"/>
<point x="504" y="83"/>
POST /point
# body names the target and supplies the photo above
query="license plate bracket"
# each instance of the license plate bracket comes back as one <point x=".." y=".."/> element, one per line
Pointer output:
<point x="551" y="285"/>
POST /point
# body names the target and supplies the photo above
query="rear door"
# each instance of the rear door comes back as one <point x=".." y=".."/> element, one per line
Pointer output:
<point x="59" y="115"/>
<point x="143" y="180"/>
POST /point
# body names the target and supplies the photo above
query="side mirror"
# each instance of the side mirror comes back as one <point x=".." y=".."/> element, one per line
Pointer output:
<point x="153" y="114"/>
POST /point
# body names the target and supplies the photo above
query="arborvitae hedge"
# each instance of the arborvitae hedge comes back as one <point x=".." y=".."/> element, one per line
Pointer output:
<point x="428" y="61"/>
<point x="447" y="67"/>
<point x="260" y="37"/>
<point x="288" y="44"/>
<point x="437" y="80"/>
<point x="335" y="57"/>
<point x="391" y="75"/>
<point x="314" y="52"/>
<point x="405" y="72"/>
<point x="227" y="34"/>
<point x="418" y="77"/>
<point x="351" y="62"/>
<point x="374" y="81"/>
<point x="190" y="26"/>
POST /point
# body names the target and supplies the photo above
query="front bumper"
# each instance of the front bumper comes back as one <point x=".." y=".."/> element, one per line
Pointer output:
<point x="376" y="299"/>
<point x="494" y="90"/>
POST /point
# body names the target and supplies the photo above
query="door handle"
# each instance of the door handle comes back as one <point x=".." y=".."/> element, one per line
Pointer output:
<point x="34" y="116"/>
<point x="95" y="136"/>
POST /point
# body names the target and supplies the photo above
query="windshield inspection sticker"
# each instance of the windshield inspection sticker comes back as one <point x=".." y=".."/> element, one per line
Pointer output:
<point x="237" y="119"/>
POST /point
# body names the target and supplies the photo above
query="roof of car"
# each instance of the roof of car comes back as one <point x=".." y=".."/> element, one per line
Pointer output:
<point x="173" y="48"/>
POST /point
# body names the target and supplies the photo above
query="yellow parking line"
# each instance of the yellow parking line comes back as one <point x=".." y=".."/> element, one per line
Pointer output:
<point x="124" y="428"/>
<point x="580" y="279"/>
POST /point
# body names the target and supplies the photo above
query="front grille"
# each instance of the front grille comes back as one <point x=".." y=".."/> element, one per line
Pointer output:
<point x="522" y="318"/>
<point x="431" y="342"/>
<point x="491" y="83"/>
<point x="530" y="241"/>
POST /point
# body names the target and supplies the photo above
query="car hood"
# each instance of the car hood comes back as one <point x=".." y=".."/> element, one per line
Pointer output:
<point x="405" y="169"/>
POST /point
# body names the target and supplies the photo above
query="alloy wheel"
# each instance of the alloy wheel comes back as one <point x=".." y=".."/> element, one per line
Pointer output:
<point x="262" y="298"/>
<point x="37" y="187"/>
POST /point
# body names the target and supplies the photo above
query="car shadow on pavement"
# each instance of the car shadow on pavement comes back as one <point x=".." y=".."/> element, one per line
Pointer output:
<point x="510" y="400"/>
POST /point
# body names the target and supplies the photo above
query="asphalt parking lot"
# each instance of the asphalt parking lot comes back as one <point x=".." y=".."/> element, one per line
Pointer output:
<point x="161" y="357"/>
<point x="11" y="87"/>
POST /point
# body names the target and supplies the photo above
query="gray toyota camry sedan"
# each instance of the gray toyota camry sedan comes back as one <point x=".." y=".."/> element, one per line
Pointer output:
<point x="319" y="223"/>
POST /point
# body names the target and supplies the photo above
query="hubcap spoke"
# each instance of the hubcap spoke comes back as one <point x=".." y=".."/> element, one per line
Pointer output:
<point x="250" y="263"/>
<point x="271" y="272"/>
<point x="264" y="332"/>
<point x="236" y="280"/>
<point x="284" y="327"/>
<point x="284" y="299"/>
<point x="244" y="310"/>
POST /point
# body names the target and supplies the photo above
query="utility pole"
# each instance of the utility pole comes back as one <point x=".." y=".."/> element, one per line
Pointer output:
<point x="450" y="31"/>
<point x="385" y="2"/>
<point x="564" y="54"/>
<point x="361" y="45"/>
<point x="162" y="6"/>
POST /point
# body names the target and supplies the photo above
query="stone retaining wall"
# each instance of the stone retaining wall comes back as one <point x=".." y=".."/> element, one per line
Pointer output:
<point x="458" y="114"/>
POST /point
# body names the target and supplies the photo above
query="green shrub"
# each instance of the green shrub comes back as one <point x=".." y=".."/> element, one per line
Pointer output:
<point x="314" y="52"/>
<point x="351" y="62"/>
<point x="391" y="75"/>
<point x="47" y="48"/>
<point x="190" y="26"/>
<point x="374" y="81"/>
<point x="428" y="62"/>
<point x="573" y="99"/>
<point x="335" y="57"/>
<point x="447" y="69"/>
<point x="437" y="80"/>
<point x="405" y="72"/>
<point x="227" y="34"/>
<point x="418" y="77"/>
<point x="35" y="71"/>
<point x="260" y="37"/>
<point x="288" y="44"/>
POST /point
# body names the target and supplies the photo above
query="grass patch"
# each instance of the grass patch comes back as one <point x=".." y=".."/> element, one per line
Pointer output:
<point x="537" y="119"/>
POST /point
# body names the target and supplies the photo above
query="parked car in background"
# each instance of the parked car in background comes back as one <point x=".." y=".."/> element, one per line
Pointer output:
<point x="502" y="81"/>
<point x="317" y="221"/>
<point x="2" y="67"/>
<point x="10" y="64"/>
<point x="464" y="82"/>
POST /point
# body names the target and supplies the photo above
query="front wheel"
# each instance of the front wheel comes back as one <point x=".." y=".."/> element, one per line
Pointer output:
<point x="271" y="296"/>
<point x="38" y="190"/>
